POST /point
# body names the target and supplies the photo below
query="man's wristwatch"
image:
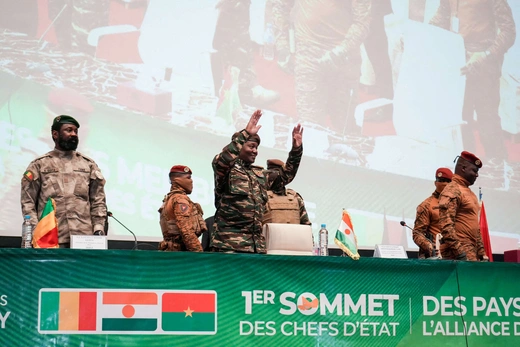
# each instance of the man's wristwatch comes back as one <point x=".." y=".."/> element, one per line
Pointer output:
<point x="99" y="233"/>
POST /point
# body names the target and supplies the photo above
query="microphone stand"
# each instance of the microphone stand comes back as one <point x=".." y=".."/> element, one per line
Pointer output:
<point x="131" y="232"/>
<point x="433" y="257"/>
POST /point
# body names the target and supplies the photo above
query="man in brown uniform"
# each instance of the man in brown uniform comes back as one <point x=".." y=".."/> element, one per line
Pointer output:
<point x="458" y="213"/>
<point x="488" y="30"/>
<point x="181" y="219"/>
<point x="72" y="179"/>
<point x="284" y="205"/>
<point x="426" y="225"/>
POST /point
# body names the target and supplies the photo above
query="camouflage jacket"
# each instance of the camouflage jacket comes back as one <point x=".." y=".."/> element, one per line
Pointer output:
<point x="426" y="225"/>
<point x="75" y="182"/>
<point x="240" y="198"/>
<point x="459" y="222"/>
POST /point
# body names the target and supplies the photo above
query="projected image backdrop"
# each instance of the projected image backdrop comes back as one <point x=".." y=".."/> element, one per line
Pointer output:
<point x="386" y="93"/>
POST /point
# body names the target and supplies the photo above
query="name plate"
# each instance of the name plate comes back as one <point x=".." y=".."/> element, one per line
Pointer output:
<point x="88" y="242"/>
<point x="390" y="251"/>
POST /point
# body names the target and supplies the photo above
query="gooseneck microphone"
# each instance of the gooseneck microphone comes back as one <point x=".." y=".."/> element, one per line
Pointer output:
<point x="403" y="223"/>
<point x="124" y="226"/>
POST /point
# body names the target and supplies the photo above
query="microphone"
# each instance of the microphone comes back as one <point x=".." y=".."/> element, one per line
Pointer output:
<point x="135" y="238"/>
<point x="403" y="223"/>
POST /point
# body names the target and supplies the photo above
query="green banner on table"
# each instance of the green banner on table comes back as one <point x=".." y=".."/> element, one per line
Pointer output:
<point x="138" y="298"/>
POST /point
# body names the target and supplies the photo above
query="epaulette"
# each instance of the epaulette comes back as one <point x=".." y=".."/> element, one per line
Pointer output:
<point x="48" y="154"/>
<point x="85" y="157"/>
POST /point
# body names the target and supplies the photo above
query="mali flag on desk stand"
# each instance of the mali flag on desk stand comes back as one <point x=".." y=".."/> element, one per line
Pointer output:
<point x="45" y="234"/>
<point x="346" y="238"/>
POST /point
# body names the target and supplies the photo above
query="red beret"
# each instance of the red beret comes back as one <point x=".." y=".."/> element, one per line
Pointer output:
<point x="444" y="172"/>
<point x="180" y="169"/>
<point x="274" y="163"/>
<point x="472" y="158"/>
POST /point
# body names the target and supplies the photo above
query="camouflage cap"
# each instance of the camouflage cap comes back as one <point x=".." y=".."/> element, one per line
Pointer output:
<point x="63" y="119"/>
<point x="180" y="169"/>
<point x="443" y="172"/>
<point x="274" y="164"/>
<point x="472" y="158"/>
<point x="252" y="138"/>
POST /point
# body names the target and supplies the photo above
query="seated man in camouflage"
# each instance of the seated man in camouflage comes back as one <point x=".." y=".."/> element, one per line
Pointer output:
<point x="284" y="205"/>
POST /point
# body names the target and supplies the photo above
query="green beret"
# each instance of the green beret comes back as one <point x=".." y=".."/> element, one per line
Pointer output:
<point x="63" y="119"/>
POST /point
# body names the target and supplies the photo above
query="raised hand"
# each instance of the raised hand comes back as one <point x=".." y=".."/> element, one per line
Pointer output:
<point x="297" y="136"/>
<point x="252" y="126"/>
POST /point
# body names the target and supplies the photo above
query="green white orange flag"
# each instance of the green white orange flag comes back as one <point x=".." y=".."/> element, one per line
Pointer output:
<point x="45" y="234"/>
<point x="346" y="238"/>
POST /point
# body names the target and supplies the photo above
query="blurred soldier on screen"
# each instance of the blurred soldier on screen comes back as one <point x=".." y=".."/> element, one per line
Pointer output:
<point x="284" y="205"/>
<point x="426" y="225"/>
<point x="241" y="189"/>
<point x="458" y="213"/>
<point x="327" y="60"/>
<point x="72" y="179"/>
<point x="488" y="29"/>
<point x="181" y="219"/>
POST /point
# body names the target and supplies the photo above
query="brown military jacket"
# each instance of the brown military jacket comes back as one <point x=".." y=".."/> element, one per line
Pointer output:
<point x="287" y="207"/>
<point x="76" y="184"/>
<point x="459" y="222"/>
<point x="426" y="225"/>
<point x="181" y="222"/>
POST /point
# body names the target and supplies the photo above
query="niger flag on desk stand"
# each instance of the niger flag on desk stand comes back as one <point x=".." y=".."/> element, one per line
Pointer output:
<point x="345" y="237"/>
<point x="45" y="234"/>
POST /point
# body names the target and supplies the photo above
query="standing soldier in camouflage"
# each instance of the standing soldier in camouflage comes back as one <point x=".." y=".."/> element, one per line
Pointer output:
<point x="327" y="58"/>
<point x="488" y="30"/>
<point x="241" y="190"/>
<point x="73" y="180"/>
<point x="426" y="225"/>
<point x="284" y="205"/>
<point x="458" y="213"/>
<point x="181" y="219"/>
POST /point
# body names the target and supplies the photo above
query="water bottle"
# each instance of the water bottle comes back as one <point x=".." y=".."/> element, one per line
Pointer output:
<point x="324" y="240"/>
<point x="27" y="232"/>
<point x="268" y="51"/>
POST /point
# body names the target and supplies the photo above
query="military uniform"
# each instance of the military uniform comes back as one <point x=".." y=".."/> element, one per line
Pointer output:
<point x="181" y="222"/>
<point x="286" y="207"/>
<point x="459" y="222"/>
<point x="426" y="225"/>
<point x="76" y="184"/>
<point x="320" y="27"/>
<point x="240" y="198"/>
<point x="486" y="26"/>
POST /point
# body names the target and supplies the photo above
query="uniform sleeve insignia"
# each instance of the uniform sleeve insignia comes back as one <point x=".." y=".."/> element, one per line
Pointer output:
<point x="28" y="175"/>
<point x="183" y="207"/>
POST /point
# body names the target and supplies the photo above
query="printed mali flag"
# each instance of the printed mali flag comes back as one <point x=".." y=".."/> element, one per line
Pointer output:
<point x="45" y="234"/>
<point x="345" y="237"/>
<point x="67" y="311"/>
<point x="124" y="311"/>
<point x="190" y="312"/>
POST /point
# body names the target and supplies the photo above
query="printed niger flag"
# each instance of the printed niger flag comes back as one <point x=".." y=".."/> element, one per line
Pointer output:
<point x="67" y="311"/>
<point x="45" y="234"/>
<point x="129" y="311"/>
<point x="345" y="237"/>
<point x="190" y="312"/>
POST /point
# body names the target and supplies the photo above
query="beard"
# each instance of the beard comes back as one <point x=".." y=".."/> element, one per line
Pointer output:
<point x="68" y="145"/>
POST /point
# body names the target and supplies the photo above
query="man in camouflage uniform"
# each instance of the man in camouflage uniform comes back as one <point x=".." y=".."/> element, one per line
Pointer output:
<point x="72" y="179"/>
<point x="488" y="29"/>
<point x="181" y="219"/>
<point x="327" y="59"/>
<point x="241" y="190"/>
<point x="284" y="205"/>
<point x="458" y="213"/>
<point x="426" y="225"/>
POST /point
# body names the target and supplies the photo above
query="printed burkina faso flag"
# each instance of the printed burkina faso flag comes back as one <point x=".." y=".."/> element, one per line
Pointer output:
<point x="346" y="238"/>
<point x="45" y="234"/>
<point x="67" y="311"/>
<point x="189" y="312"/>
